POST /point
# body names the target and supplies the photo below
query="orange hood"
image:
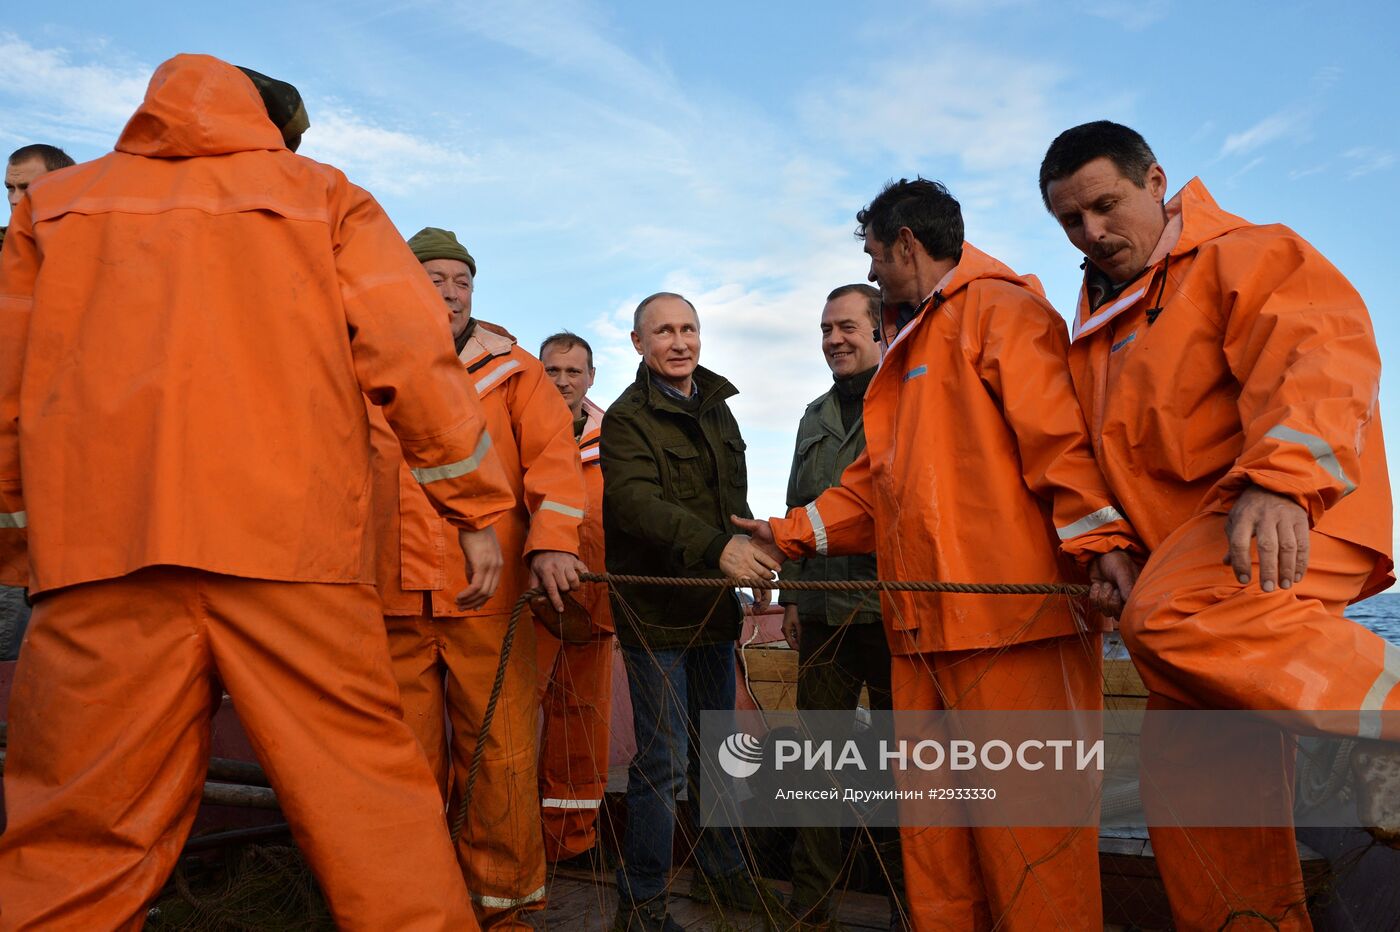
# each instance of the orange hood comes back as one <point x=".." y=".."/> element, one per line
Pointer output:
<point x="199" y="105"/>
<point x="976" y="265"/>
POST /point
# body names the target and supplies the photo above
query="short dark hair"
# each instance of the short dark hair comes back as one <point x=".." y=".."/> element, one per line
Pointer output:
<point x="869" y="292"/>
<point x="567" y="340"/>
<point x="641" y="308"/>
<point x="1101" y="139"/>
<point x="53" y="157"/>
<point x="925" y="207"/>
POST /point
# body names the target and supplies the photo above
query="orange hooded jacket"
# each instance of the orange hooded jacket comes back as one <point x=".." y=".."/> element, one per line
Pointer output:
<point x="187" y="326"/>
<point x="977" y="468"/>
<point x="1241" y="356"/>
<point x="533" y="436"/>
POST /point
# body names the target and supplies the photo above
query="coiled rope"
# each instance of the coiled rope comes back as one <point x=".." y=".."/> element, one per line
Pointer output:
<point x="822" y="585"/>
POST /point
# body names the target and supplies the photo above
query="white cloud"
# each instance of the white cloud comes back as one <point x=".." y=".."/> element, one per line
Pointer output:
<point x="1367" y="159"/>
<point x="990" y="112"/>
<point x="55" y="95"/>
<point x="1133" y="15"/>
<point x="1270" y="129"/>
<point x="377" y="158"/>
<point x="51" y="98"/>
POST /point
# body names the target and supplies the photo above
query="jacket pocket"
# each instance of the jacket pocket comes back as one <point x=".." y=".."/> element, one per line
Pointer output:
<point x="738" y="463"/>
<point x="811" y="477"/>
<point x="683" y="471"/>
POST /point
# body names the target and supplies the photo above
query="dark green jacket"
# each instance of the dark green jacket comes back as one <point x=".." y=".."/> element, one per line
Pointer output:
<point x="673" y="473"/>
<point x="824" y="450"/>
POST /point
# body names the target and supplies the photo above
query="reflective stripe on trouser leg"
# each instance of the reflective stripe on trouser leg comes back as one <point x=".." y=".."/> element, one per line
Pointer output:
<point x="500" y="849"/>
<point x="574" y="750"/>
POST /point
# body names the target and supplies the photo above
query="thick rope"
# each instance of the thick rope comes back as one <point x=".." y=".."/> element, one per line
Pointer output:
<point x="826" y="585"/>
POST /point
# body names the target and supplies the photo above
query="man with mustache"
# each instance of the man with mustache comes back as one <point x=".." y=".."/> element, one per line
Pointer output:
<point x="1229" y="374"/>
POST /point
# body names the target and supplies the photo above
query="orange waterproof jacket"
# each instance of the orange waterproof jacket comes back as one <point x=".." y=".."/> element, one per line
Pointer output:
<point x="1242" y="356"/>
<point x="593" y="597"/>
<point x="532" y="434"/>
<point x="977" y="468"/>
<point x="187" y="326"/>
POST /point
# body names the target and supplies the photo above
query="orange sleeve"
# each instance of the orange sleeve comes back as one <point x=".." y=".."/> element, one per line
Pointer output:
<point x="403" y="358"/>
<point x="840" y="522"/>
<point x="19" y="267"/>
<point x="1299" y="341"/>
<point x="552" y="472"/>
<point x="1019" y="346"/>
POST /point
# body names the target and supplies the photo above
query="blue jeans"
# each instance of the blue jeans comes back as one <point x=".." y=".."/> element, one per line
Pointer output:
<point x="669" y="690"/>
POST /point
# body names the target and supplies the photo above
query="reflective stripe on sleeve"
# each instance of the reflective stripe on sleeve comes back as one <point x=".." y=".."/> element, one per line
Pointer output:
<point x="1380" y="689"/>
<point x="818" y="527"/>
<point x="505" y="902"/>
<point x="571" y="803"/>
<point x="496" y="375"/>
<point x="452" y="470"/>
<point x="14" y="519"/>
<point x="1090" y="522"/>
<point x="547" y="505"/>
<point x="1321" y="452"/>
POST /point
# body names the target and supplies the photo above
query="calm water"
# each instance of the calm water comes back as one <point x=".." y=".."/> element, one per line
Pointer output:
<point x="1380" y="613"/>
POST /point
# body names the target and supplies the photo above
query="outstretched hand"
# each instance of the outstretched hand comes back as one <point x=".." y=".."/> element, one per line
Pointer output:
<point x="761" y="533"/>
<point x="1279" y="528"/>
<point x="742" y="559"/>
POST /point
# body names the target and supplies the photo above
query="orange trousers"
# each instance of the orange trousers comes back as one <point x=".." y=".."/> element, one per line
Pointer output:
<point x="1010" y="879"/>
<point x="445" y="668"/>
<point x="109" y="740"/>
<point x="575" y="682"/>
<point x="1201" y="640"/>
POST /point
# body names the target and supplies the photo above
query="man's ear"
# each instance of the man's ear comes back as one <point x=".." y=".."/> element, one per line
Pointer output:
<point x="1156" y="181"/>
<point x="905" y="238"/>
<point x="637" y="343"/>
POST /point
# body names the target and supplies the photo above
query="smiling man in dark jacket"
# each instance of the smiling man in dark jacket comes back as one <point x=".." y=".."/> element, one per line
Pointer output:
<point x="673" y="473"/>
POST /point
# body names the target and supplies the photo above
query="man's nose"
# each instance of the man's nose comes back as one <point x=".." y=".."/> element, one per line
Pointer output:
<point x="1095" y="228"/>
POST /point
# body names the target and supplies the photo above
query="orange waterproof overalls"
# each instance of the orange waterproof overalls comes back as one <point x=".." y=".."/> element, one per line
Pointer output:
<point x="978" y="469"/>
<point x="445" y="658"/>
<point x="188" y="329"/>
<point x="1241" y="356"/>
<point x="576" y="687"/>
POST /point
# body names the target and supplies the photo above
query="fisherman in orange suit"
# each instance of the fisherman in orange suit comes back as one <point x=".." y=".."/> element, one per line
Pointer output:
<point x="576" y="675"/>
<point x="1229" y="374"/>
<point x="977" y="468"/>
<point x="445" y="655"/>
<point x="189" y="327"/>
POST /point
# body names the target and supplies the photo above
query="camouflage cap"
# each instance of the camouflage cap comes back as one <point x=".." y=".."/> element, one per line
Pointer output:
<point x="284" y="106"/>
<point x="437" y="243"/>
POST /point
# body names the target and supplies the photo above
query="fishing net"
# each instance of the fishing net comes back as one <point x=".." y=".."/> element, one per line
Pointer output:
<point x="255" y="888"/>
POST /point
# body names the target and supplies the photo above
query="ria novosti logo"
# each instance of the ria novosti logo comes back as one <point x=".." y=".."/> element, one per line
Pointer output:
<point x="741" y="754"/>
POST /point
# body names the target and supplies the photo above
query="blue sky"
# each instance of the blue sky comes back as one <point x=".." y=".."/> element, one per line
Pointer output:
<point x="591" y="154"/>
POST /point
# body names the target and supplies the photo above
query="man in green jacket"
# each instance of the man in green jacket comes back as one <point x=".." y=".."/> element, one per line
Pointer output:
<point x="839" y="636"/>
<point x="673" y="473"/>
